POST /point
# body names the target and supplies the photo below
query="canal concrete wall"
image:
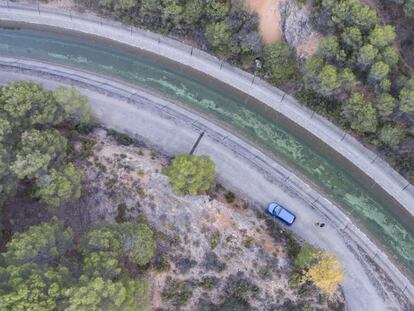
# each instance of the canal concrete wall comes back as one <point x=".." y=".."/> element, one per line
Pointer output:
<point x="342" y="142"/>
<point x="164" y="125"/>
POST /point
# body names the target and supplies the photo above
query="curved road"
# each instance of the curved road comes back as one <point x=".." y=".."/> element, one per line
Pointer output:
<point x="166" y="126"/>
<point x="368" y="162"/>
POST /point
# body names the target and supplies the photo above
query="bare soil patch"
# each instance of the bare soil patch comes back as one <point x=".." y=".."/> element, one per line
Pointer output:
<point x="269" y="18"/>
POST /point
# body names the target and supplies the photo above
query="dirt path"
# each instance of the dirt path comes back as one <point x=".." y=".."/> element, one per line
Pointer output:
<point x="269" y="15"/>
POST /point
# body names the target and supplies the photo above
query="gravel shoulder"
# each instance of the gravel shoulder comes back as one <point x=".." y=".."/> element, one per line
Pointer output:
<point x="171" y="129"/>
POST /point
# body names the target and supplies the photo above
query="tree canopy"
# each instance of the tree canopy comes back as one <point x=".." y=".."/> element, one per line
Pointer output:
<point x="101" y="294"/>
<point x="361" y="114"/>
<point x="41" y="243"/>
<point x="326" y="274"/>
<point x="407" y="97"/>
<point x="75" y="105"/>
<point x="280" y="60"/>
<point x="33" y="149"/>
<point x="59" y="187"/>
<point x="391" y="135"/>
<point x="39" y="276"/>
<point x="138" y="243"/>
<point x="191" y="174"/>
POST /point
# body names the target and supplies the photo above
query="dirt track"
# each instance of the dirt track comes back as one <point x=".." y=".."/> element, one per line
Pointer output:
<point x="269" y="18"/>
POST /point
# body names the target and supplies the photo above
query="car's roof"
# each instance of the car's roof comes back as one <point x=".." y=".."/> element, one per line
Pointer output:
<point x="286" y="215"/>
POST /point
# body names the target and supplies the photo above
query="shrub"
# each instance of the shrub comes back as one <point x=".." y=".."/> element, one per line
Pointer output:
<point x="211" y="262"/>
<point x="121" y="213"/>
<point x="306" y="257"/>
<point x="293" y="247"/>
<point x="214" y="240"/>
<point x="60" y="187"/>
<point x="138" y="242"/>
<point x="208" y="282"/>
<point x="219" y="37"/>
<point x="177" y="292"/>
<point x="230" y="197"/>
<point x="407" y="97"/>
<point x="361" y="114"/>
<point x="385" y="104"/>
<point x="391" y="135"/>
<point x="161" y="263"/>
<point x="279" y="61"/>
<point x="240" y="287"/>
<point x="122" y="138"/>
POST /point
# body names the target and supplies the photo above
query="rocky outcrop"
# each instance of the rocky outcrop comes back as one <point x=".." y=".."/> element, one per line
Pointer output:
<point x="297" y="28"/>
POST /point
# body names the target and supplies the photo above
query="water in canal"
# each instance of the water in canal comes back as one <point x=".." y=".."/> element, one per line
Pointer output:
<point x="379" y="218"/>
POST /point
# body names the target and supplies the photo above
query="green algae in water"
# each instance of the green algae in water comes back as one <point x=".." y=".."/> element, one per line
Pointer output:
<point x="347" y="191"/>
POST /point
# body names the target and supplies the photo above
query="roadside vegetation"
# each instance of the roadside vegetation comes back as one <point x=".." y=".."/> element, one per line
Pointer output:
<point x="90" y="222"/>
<point x="356" y="78"/>
<point x="358" y="71"/>
<point x="191" y="174"/>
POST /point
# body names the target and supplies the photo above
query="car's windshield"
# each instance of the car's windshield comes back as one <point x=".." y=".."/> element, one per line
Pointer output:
<point x="277" y="210"/>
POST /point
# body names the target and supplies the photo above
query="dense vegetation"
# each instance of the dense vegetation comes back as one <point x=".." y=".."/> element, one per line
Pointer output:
<point x="45" y="269"/>
<point x="357" y="56"/>
<point x="357" y="67"/>
<point x="191" y="174"/>
<point x="407" y="6"/>
<point x="33" y="150"/>
<point x="227" y="29"/>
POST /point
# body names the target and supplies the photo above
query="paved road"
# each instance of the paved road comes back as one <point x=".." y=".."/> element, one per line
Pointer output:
<point x="368" y="162"/>
<point x="170" y="128"/>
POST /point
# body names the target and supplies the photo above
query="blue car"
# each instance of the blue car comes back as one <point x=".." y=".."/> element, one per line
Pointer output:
<point x="278" y="211"/>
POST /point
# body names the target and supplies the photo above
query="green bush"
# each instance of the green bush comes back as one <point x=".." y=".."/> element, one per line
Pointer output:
<point x="214" y="240"/>
<point x="219" y="35"/>
<point x="361" y="114"/>
<point x="191" y="174"/>
<point x="306" y="257"/>
<point x="177" y="292"/>
<point x="280" y="61"/>
<point x="60" y="187"/>
<point x="230" y="197"/>
<point x="391" y="135"/>
<point x="138" y="242"/>
<point x="41" y="276"/>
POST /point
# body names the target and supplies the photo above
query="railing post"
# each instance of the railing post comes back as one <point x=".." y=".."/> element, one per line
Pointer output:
<point x="283" y="97"/>
<point x="405" y="187"/>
